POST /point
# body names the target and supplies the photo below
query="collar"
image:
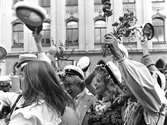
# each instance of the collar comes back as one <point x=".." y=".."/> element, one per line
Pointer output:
<point x="80" y="95"/>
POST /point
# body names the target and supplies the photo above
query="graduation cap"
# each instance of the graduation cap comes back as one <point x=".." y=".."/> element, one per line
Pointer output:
<point x="84" y="63"/>
<point x="74" y="70"/>
<point x="32" y="15"/>
<point x="3" y="52"/>
<point x="24" y="59"/>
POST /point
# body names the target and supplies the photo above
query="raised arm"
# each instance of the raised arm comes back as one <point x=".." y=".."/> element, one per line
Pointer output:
<point x="138" y="79"/>
<point x="38" y="40"/>
<point x="146" y="59"/>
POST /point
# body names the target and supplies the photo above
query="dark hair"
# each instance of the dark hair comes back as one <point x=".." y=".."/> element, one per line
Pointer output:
<point x="14" y="68"/>
<point x="42" y="81"/>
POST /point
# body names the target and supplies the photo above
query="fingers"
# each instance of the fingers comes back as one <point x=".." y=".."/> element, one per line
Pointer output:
<point x="144" y="40"/>
<point x="109" y="36"/>
<point x="35" y="32"/>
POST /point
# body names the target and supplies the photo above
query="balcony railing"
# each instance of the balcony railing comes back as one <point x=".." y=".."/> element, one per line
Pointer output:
<point x="158" y="5"/>
<point x="71" y="10"/>
<point x="129" y="6"/>
<point x="98" y="8"/>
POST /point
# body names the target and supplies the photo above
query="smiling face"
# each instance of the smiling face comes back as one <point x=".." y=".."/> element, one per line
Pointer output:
<point x="73" y="85"/>
<point x="100" y="85"/>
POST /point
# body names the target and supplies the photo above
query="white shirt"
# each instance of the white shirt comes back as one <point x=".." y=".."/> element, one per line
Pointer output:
<point x="144" y="88"/>
<point x="36" y="114"/>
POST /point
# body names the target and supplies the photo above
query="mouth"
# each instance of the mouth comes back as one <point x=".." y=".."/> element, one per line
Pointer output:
<point x="96" y="88"/>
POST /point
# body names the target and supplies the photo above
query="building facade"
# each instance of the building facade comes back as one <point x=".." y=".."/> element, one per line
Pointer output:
<point x="80" y="26"/>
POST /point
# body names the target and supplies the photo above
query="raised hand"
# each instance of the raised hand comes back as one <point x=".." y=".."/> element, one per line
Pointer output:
<point x="37" y="36"/>
<point x="112" y="43"/>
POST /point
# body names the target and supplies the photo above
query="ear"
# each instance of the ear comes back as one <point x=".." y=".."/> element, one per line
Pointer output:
<point x="22" y="75"/>
<point x="82" y="85"/>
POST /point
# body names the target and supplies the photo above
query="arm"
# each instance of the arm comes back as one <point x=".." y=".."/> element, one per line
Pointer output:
<point x="8" y="98"/>
<point x="139" y="80"/>
<point x="38" y="41"/>
<point x="147" y="61"/>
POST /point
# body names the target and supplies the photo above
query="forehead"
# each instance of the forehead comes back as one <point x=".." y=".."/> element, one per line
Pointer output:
<point x="98" y="76"/>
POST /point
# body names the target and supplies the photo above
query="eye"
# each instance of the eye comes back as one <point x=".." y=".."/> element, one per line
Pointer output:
<point x="67" y="85"/>
<point x="98" y="80"/>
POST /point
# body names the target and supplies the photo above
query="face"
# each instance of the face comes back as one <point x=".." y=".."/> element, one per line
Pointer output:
<point x="72" y="88"/>
<point x="22" y="82"/>
<point x="100" y="86"/>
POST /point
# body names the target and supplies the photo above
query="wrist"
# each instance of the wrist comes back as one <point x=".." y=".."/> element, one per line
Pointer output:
<point x="38" y="43"/>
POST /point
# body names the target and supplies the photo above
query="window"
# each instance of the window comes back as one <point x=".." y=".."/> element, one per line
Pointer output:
<point x="15" y="1"/>
<point x="71" y="2"/>
<point x="18" y="35"/>
<point x="44" y="3"/>
<point x="128" y="1"/>
<point x="100" y="31"/>
<point x="46" y="34"/>
<point x="159" y="31"/>
<point x="72" y="33"/>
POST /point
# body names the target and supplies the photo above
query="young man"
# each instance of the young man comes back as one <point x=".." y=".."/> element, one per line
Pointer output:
<point x="75" y="86"/>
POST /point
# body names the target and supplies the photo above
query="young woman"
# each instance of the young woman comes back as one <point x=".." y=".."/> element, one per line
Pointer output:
<point x="43" y="101"/>
<point x="105" y="111"/>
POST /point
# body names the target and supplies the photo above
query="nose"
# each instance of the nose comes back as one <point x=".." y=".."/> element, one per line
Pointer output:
<point x="95" y="84"/>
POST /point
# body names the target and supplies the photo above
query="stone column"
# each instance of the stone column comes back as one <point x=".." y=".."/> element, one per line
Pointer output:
<point x="117" y="7"/>
<point x="58" y="20"/>
<point x="89" y="25"/>
<point x="144" y="15"/>
<point x="81" y="24"/>
<point x="53" y="20"/>
<point x="165" y="7"/>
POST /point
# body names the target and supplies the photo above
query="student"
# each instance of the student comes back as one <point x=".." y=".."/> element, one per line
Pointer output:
<point x="151" y="101"/>
<point x="73" y="81"/>
<point x="105" y="111"/>
<point x="25" y="58"/>
<point x="43" y="101"/>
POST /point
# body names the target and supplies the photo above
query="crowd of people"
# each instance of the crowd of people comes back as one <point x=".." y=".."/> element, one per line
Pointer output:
<point x="126" y="93"/>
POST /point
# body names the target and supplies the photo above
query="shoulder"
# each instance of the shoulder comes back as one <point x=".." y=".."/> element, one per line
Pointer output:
<point x="8" y="98"/>
<point x="37" y="112"/>
<point x="22" y="118"/>
<point x="89" y="97"/>
<point x="88" y="94"/>
<point x="72" y="119"/>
